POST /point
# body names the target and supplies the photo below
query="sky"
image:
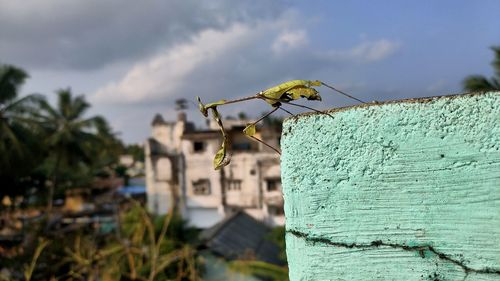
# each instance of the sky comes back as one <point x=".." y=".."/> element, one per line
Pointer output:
<point x="133" y="59"/>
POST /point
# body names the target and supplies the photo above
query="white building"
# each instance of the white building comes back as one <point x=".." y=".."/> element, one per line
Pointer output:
<point x="179" y="167"/>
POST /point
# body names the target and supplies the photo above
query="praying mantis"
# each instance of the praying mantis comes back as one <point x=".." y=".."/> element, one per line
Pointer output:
<point x="276" y="96"/>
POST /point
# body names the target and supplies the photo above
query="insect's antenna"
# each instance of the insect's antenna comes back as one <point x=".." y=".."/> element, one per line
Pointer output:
<point x="304" y="106"/>
<point x="286" y="111"/>
<point x="343" y="93"/>
<point x="277" y="151"/>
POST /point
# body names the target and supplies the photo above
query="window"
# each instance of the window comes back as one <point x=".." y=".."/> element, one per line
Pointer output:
<point x="233" y="185"/>
<point x="201" y="187"/>
<point x="273" y="184"/>
<point x="242" y="146"/>
<point x="275" y="210"/>
<point x="198" y="146"/>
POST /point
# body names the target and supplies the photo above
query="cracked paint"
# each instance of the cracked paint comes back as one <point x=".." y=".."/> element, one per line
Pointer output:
<point x="406" y="190"/>
<point x="422" y="251"/>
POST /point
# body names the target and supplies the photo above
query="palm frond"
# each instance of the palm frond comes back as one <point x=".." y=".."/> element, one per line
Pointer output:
<point x="481" y="83"/>
<point x="478" y="83"/>
<point x="11" y="78"/>
<point x="496" y="61"/>
<point x="24" y="105"/>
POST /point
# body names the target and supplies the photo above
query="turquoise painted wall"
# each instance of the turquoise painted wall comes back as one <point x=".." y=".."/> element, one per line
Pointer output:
<point x="406" y="190"/>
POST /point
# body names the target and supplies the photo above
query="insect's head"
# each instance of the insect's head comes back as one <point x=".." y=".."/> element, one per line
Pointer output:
<point x="314" y="96"/>
<point x="202" y="107"/>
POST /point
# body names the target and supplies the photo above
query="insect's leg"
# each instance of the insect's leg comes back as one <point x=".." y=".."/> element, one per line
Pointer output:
<point x="264" y="143"/>
<point x="241" y="99"/>
<point x="226" y="155"/>
<point x="261" y="141"/>
<point x="310" y="108"/>
<point x="298" y="105"/>
<point x="265" y="115"/>
<point x="342" y="93"/>
<point x="291" y="114"/>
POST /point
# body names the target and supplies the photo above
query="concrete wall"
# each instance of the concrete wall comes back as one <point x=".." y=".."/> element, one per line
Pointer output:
<point x="404" y="190"/>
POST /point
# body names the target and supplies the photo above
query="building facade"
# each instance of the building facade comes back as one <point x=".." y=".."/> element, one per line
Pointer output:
<point x="179" y="172"/>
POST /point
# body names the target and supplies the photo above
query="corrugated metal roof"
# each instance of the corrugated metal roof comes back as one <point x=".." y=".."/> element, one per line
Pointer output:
<point x="240" y="235"/>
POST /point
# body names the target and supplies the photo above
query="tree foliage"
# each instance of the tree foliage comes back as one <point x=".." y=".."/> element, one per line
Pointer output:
<point x="482" y="83"/>
<point x="45" y="146"/>
<point x="20" y="149"/>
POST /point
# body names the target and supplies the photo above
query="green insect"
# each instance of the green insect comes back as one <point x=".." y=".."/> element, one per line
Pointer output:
<point x="276" y="96"/>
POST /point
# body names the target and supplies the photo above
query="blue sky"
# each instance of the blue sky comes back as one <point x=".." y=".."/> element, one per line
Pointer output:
<point x="133" y="59"/>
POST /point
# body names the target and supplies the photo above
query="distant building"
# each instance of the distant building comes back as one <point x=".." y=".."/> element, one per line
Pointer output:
<point x="126" y="160"/>
<point x="179" y="167"/>
<point x="134" y="168"/>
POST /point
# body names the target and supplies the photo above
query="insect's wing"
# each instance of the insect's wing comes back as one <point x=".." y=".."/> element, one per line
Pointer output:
<point x="275" y="94"/>
<point x="304" y="92"/>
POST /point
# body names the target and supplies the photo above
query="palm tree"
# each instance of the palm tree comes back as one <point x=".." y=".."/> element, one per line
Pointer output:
<point x="110" y="146"/>
<point x="481" y="83"/>
<point x="12" y="111"/>
<point x="69" y="135"/>
<point x="17" y="130"/>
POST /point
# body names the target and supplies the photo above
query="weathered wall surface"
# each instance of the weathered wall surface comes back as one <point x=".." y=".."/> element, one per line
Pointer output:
<point x="397" y="191"/>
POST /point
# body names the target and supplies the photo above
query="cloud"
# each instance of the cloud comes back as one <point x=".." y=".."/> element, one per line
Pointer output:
<point x="370" y="51"/>
<point x="87" y="35"/>
<point x="214" y="62"/>
<point x="288" y="40"/>
<point x="135" y="59"/>
<point x="236" y="61"/>
<point x="166" y="74"/>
